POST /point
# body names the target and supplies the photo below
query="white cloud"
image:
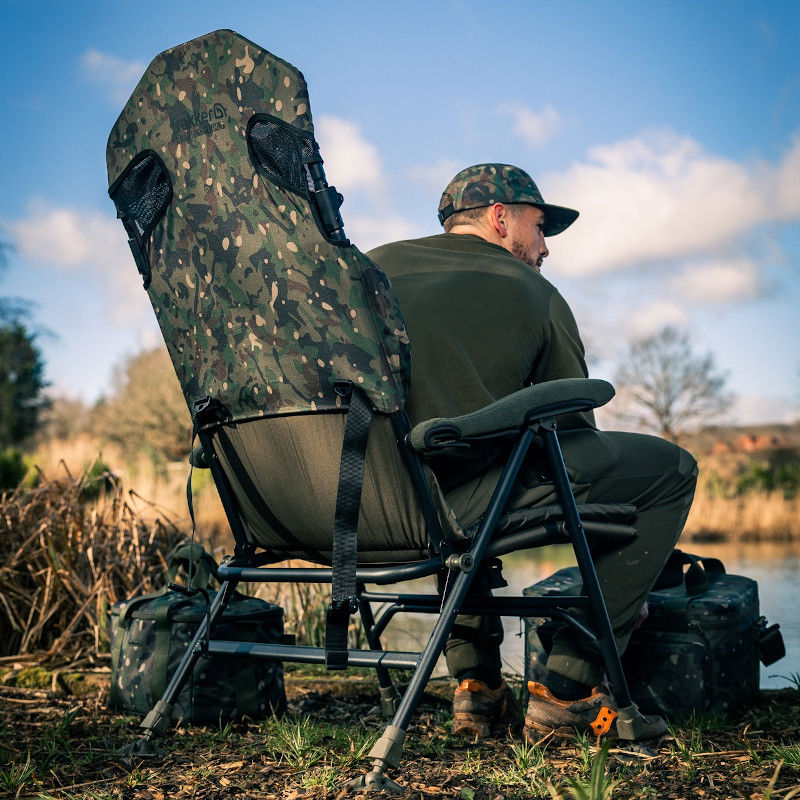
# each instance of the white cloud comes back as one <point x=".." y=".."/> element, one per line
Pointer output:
<point x="70" y="240"/>
<point x="351" y="162"/>
<point x="749" y="409"/>
<point x="435" y="176"/>
<point x="66" y="238"/>
<point x="723" y="281"/>
<point x="369" y="231"/>
<point x="653" y="316"/>
<point x="535" y="128"/>
<point x="116" y="76"/>
<point x="662" y="197"/>
<point x="150" y="338"/>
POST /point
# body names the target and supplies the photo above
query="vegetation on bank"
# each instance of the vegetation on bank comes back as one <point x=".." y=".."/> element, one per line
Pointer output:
<point x="739" y="496"/>
<point x="93" y="521"/>
<point x="61" y="742"/>
<point x="747" y="497"/>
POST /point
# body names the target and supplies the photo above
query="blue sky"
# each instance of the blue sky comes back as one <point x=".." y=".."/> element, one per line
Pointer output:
<point x="673" y="127"/>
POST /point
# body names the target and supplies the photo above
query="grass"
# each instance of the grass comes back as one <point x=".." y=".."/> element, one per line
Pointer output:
<point x="789" y="754"/>
<point x="64" y="746"/>
<point x="526" y="769"/>
<point x="15" y="777"/>
<point x="598" y="786"/>
<point x="792" y="679"/>
<point x="768" y="793"/>
<point x="302" y="743"/>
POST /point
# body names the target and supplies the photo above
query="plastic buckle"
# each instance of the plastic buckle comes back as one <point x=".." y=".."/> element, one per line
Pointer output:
<point x="208" y="410"/>
<point x="342" y="610"/>
<point x="343" y="388"/>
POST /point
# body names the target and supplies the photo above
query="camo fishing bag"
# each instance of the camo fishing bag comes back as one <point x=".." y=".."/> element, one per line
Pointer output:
<point x="150" y="634"/>
<point x="698" y="650"/>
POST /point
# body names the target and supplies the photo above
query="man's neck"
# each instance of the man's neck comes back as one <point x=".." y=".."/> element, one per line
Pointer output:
<point x="475" y="230"/>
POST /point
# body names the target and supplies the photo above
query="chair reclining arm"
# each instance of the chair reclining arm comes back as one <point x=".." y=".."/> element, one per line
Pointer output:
<point x="512" y="413"/>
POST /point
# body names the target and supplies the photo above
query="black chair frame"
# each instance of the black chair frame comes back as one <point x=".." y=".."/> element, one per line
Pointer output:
<point x="247" y="566"/>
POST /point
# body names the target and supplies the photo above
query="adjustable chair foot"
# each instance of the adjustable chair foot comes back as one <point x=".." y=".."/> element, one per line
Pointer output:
<point x="634" y="727"/>
<point x="157" y="721"/>
<point x="390" y="700"/>
<point x="143" y="747"/>
<point x="154" y="723"/>
<point x="386" y="752"/>
<point x="375" y="781"/>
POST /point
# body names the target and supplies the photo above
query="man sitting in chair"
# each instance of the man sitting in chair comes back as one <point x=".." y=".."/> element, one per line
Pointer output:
<point x="483" y="323"/>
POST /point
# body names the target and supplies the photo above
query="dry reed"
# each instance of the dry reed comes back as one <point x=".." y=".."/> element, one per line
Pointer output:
<point x="163" y="484"/>
<point x="749" y="516"/>
<point x="66" y="559"/>
<point x="755" y="515"/>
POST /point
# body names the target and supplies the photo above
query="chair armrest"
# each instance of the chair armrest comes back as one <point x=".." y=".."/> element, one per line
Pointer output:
<point x="513" y="412"/>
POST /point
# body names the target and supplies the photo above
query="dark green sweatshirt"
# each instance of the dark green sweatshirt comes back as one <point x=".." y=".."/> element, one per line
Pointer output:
<point x="482" y="324"/>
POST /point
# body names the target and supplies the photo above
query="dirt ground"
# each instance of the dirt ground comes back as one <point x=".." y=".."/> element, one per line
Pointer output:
<point x="58" y="740"/>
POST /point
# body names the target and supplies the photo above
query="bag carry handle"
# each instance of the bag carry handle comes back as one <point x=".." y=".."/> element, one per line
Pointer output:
<point x="695" y="579"/>
<point x="204" y="567"/>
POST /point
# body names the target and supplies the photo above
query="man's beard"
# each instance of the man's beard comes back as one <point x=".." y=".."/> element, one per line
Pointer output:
<point x="518" y="250"/>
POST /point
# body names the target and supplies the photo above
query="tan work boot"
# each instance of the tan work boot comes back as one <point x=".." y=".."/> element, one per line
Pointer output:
<point x="595" y="714"/>
<point x="479" y="711"/>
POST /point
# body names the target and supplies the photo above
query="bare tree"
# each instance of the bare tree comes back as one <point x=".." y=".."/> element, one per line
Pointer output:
<point x="146" y="409"/>
<point x="669" y="386"/>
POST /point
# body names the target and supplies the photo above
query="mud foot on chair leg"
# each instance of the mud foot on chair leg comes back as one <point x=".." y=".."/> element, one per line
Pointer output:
<point x="375" y="781"/>
<point x="143" y="747"/>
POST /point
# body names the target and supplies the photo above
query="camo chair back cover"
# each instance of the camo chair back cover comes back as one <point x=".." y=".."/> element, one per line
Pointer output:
<point x="260" y="311"/>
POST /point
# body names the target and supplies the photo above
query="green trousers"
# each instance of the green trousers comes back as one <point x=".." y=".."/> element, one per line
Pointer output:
<point x="654" y="475"/>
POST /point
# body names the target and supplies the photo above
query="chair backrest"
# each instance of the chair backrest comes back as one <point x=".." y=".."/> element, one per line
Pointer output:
<point x="211" y="166"/>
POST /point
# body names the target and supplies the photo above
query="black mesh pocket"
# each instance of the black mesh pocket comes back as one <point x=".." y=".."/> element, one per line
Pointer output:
<point x="280" y="152"/>
<point x="141" y="195"/>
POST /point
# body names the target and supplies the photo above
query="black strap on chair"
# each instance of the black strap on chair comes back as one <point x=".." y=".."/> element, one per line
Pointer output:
<point x="344" y="595"/>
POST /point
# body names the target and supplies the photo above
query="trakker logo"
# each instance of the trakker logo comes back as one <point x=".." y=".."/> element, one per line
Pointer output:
<point x="201" y="122"/>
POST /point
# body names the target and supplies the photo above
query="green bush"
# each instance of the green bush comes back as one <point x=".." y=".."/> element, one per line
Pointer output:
<point x="12" y="468"/>
<point x="764" y="476"/>
<point x="96" y="480"/>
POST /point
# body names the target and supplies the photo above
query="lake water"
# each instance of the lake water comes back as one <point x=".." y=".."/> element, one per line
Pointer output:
<point x="775" y="566"/>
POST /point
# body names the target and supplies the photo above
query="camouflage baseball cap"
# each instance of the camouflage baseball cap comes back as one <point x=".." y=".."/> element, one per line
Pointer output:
<point x="485" y="184"/>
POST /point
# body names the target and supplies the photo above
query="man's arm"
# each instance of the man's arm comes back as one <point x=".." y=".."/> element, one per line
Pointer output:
<point x="562" y="356"/>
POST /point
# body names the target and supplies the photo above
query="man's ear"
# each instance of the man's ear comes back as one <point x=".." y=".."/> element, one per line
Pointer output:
<point x="498" y="219"/>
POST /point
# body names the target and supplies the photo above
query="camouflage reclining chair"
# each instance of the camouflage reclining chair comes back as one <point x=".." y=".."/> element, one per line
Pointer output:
<point x="291" y="351"/>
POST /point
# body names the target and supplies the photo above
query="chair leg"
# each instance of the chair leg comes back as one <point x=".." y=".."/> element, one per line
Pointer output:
<point x="389" y="694"/>
<point x="630" y="721"/>
<point x="388" y="750"/>
<point x="158" y="718"/>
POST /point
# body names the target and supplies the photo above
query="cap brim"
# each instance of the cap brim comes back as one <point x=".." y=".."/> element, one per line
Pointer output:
<point x="557" y="218"/>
